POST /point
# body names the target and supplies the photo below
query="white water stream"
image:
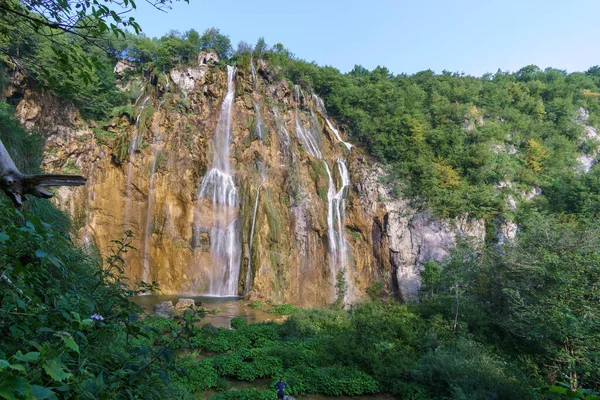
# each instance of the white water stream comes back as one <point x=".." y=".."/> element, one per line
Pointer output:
<point x="336" y="221"/>
<point x="147" y="232"/>
<point x="132" y="148"/>
<point x="323" y="111"/>
<point x="306" y="136"/>
<point x="249" y="270"/>
<point x="218" y="185"/>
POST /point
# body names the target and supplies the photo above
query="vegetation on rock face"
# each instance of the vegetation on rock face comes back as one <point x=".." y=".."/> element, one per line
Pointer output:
<point x="493" y="322"/>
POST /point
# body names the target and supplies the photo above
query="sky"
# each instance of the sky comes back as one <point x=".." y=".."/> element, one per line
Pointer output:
<point x="468" y="36"/>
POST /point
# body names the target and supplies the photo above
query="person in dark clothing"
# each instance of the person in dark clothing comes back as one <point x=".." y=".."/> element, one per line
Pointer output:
<point x="280" y="387"/>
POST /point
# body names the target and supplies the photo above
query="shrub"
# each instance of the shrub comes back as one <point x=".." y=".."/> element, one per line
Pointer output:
<point x="468" y="371"/>
<point x="238" y="322"/>
<point x="331" y="381"/>
<point x="194" y="375"/>
<point x="283" y="309"/>
<point x="245" y="394"/>
<point x="248" y="365"/>
<point x="220" y="341"/>
<point x="308" y="323"/>
<point x="257" y="304"/>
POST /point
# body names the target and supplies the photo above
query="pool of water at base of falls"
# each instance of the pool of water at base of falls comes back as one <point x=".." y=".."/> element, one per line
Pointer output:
<point x="228" y="308"/>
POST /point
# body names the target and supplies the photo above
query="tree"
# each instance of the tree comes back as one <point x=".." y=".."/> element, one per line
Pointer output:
<point x="86" y="20"/>
<point x="260" y="47"/>
<point x="212" y="39"/>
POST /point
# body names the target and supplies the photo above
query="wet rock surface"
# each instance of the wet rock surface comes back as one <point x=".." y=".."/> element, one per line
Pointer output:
<point x="154" y="190"/>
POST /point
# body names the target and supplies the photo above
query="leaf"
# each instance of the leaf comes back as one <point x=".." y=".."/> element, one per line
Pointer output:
<point x="42" y="393"/>
<point x="29" y="357"/>
<point x="18" y="367"/>
<point x="4" y="364"/>
<point x="70" y="343"/>
<point x="54" y="368"/>
<point x="12" y="384"/>
<point x="3" y="237"/>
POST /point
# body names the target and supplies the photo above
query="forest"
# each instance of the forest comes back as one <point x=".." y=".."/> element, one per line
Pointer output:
<point x="517" y="319"/>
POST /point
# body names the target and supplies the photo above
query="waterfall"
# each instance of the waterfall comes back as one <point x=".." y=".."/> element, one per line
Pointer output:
<point x="219" y="186"/>
<point x="285" y="136"/>
<point x="249" y="270"/>
<point x="132" y="148"/>
<point x="167" y="86"/>
<point x="306" y="136"/>
<point x="323" y="111"/>
<point x="254" y="78"/>
<point x="90" y="196"/>
<point x="259" y="121"/>
<point x="166" y="79"/>
<point x="147" y="233"/>
<point x="336" y="216"/>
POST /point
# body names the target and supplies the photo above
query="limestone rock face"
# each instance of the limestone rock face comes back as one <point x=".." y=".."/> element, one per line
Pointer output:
<point x="297" y="220"/>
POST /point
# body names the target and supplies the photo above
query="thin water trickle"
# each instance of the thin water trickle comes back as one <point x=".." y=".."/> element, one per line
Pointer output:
<point x="306" y="136"/>
<point x="249" y="270"/>
<point x="254" y="77"/>
<point x="132" y="148"/>
<point x="218" y="185"/>
<point x="284" y="134"/>
<point x="167" y="86"/>
<point x="147" y="232"/>
<point x="258" y="130"/>
<point x="323" y="111"/>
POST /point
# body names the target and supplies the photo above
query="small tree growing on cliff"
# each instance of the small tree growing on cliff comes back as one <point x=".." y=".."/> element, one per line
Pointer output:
<point x="212" y="39"/>
<point x="341" y="288"/>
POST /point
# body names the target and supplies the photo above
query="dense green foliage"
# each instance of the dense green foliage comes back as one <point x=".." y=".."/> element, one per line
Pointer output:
<point x="493" y="322"/>
<point x="452" y="138"/>
<point x="68" y="328"/>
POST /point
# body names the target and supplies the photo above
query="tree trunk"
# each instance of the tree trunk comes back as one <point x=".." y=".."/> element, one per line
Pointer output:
<point x="16" y="185"/>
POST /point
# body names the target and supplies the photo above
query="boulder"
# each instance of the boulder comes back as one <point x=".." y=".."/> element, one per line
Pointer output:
<point x="184" y="303"/>
<point x="164" y="309"/>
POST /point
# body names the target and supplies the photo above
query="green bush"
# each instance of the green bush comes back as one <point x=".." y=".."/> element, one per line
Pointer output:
<point x="247" y="365"/>
<point x="220" y="341"/>
<point x="194" y="375"/>
<point x="330" y="381"/>
<point x="257" y="304"/>
<point x="468" y="371"/>
<point x="245" y="394"/>
<point x="283" y="309"/>
<point x="238" y="322"/>
<point x="306" y="323"/>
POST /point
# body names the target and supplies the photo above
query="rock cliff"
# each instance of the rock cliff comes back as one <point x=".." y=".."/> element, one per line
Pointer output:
<point x="310" y="211"/>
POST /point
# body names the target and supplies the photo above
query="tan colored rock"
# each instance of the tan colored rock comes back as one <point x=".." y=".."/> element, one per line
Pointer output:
<point x="184" y="303"/>
<point x="154" y="191"/>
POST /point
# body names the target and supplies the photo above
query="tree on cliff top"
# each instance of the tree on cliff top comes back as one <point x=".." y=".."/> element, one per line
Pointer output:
<point x="67" y="25"/>
<point x="212" y="39"/>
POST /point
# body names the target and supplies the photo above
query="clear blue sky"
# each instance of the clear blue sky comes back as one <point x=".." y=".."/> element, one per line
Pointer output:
<point x="470" y="36"/>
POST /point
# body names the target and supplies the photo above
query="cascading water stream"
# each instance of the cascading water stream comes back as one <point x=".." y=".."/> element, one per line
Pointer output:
<point x="258" y="129"/>
<point x="91" y="196"/>
<point x="249" y="270"/>
<point x="254" y="78"/>
<point x="306" y="136"/>
<point x="259" y="121"/>
<point x="323" y="111"/>
<point x="147" y="233"/>
<point x="285" y="136"/>
<point x="132" y="148"/>
<point x="219" y="186"/>
<point x="167" y="86"/>
<point x="336" y="216"/>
